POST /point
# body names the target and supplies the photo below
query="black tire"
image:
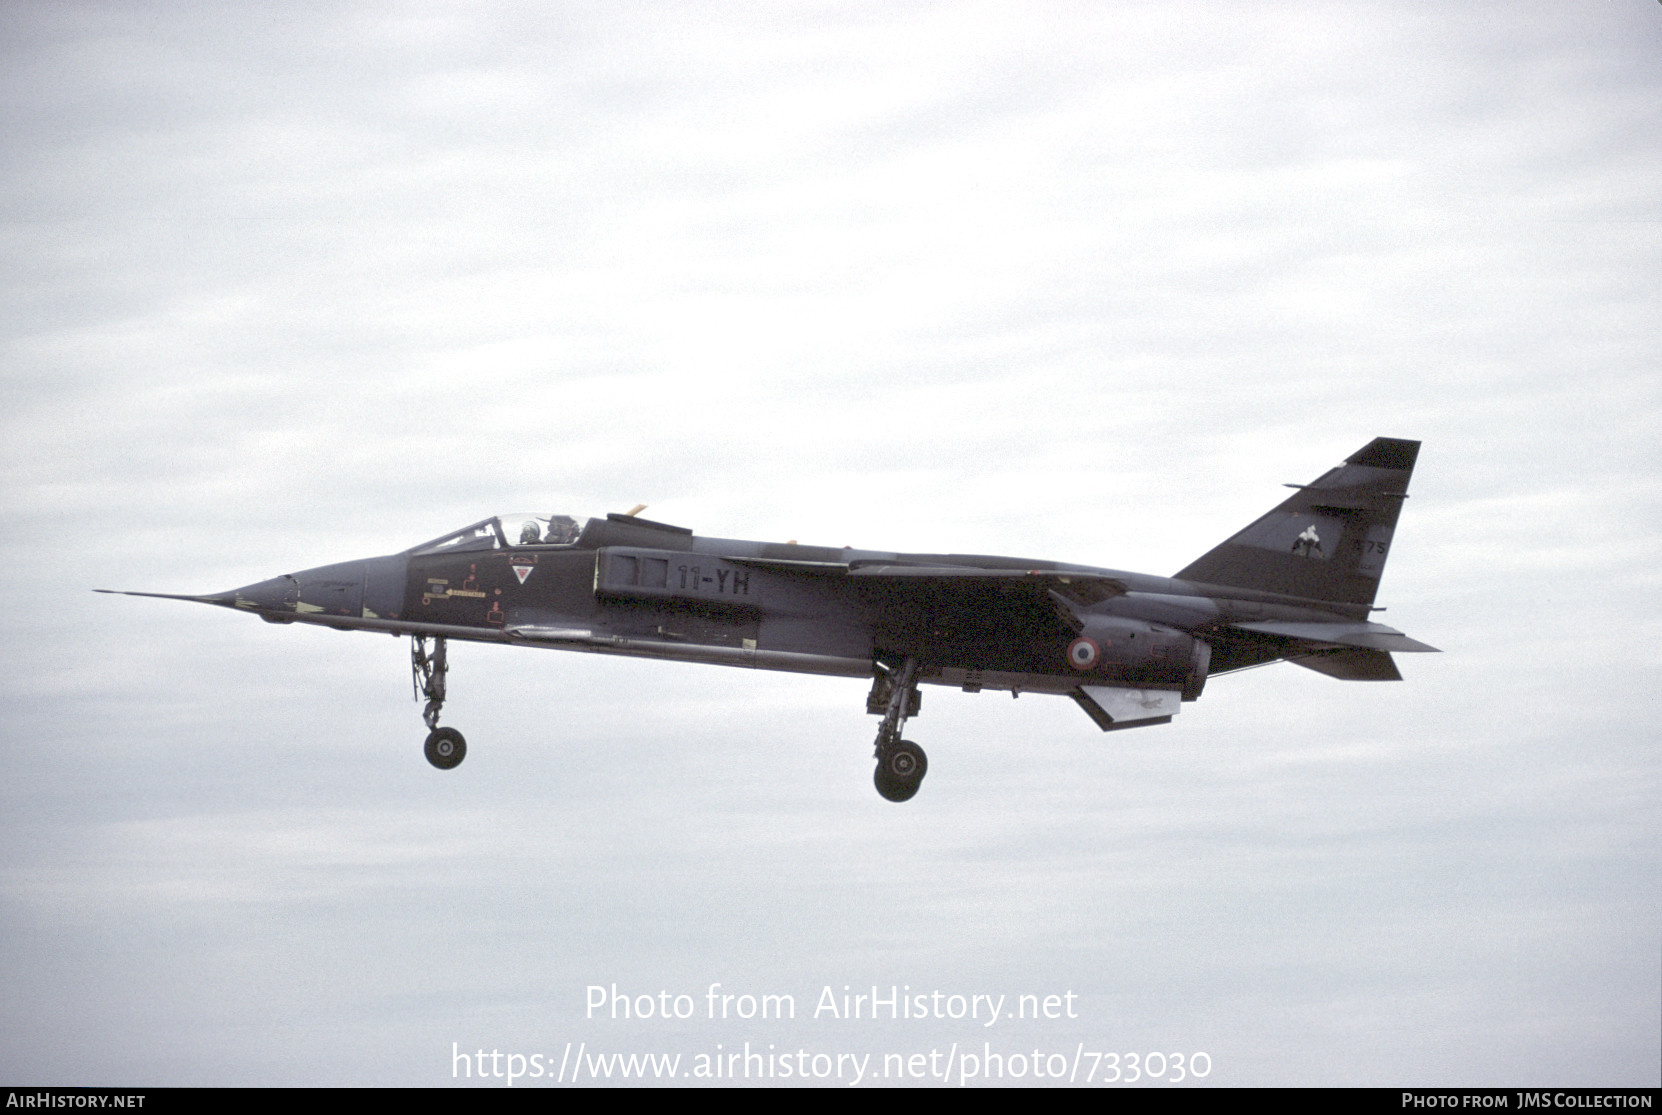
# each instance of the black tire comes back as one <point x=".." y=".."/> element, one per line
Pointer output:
<point x="892" y="788"/>
<point x="905" y="761"/>
<point x="900" y="771"/>
<point x="445" y="748"/>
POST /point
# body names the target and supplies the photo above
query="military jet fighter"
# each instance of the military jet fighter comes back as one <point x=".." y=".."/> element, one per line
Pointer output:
<point x="1129" y="648"/>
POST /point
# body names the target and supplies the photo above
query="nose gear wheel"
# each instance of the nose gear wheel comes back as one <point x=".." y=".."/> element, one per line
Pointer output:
<point x="445" y="747"/>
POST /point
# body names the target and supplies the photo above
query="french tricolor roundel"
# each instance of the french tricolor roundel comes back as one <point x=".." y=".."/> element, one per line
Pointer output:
<point x="1083" y="653"/>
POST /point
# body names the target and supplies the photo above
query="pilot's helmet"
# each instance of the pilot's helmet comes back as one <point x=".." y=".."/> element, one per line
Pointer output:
<point x="562" y="529"/>
<point x="529" y="534"/>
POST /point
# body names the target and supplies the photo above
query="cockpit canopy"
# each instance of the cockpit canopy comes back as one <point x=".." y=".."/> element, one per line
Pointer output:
<point x="503" y="532"/>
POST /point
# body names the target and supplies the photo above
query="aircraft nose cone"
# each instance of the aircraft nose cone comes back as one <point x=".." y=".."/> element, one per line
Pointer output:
<point x="335" y="590"/>
<point x="384" y="586"/>
<point x="279" y="594"/>
<point x="371" y="588"/>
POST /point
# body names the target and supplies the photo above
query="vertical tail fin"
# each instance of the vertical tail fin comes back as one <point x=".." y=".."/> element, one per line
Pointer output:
<point x="1330" y="540"/>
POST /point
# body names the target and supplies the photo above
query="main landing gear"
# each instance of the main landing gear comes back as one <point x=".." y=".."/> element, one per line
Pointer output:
<point x="901" y="764"/>
<point x="445" y="747"/>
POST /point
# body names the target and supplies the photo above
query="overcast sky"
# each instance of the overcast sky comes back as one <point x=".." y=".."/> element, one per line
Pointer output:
<point x="297" y="283"/>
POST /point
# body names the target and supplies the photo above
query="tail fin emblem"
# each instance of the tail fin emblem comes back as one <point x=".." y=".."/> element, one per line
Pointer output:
<point x="1308" y="543"/>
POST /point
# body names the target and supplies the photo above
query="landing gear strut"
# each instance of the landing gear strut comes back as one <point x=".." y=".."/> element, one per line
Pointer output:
<point x="901" y="764"/>
<point x="445" y="747"/>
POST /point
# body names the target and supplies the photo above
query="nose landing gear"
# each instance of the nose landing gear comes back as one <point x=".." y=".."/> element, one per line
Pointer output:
<point x="445" y="747"/>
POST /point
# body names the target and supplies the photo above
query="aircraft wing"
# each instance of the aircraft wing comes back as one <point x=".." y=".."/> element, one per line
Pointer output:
<point x="1081" y="588"/>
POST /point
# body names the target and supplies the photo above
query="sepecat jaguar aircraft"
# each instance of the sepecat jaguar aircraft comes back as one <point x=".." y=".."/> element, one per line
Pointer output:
<point x="1129" y="648"/>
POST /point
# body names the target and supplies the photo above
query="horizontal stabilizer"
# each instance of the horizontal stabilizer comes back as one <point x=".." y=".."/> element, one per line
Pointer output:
<point x="1350" y="665"/>
<point x="1368" y="636"/>
<point x="1114" y="707"/>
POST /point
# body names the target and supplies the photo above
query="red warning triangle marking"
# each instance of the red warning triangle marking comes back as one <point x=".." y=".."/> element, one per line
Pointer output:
<point x="522" y="572"/>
